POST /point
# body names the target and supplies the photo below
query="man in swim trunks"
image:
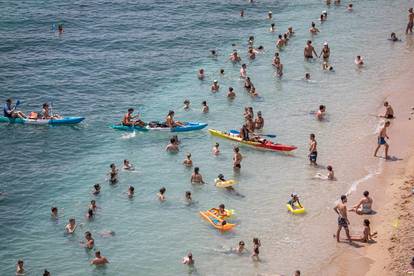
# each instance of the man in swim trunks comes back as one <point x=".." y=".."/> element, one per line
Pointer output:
<point x="389" y="112"/>
<point x="237" y="158"/>
<point x="313" y="152"/>
<point x="169" y="120"/>
<point x="381" y="139"/>
<point x="99" y="260"/>
<point x="127" y="120"/>
<point x="343" y="221"/>
<point x="364" y="206"/>
<point x="410" y="21"/>
<point x="309" y="50"/>
<point x="11" y="112"/>
<point x="259" y="122"/>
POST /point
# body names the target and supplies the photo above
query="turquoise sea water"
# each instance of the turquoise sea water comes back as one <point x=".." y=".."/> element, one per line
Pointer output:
<point x="119" y="54"/>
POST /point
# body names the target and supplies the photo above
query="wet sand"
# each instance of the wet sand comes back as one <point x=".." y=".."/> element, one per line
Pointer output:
<point x="393" y="197"/>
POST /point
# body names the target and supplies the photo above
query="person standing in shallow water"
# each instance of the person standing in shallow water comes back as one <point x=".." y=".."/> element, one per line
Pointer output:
<point x="237" y="158"/>
<point x="381" y="139"/>
<point x="313" y="152"/>
<point x="343" y="221"/>
<point x="410" y="24"/>
<point x="309" y="50"/>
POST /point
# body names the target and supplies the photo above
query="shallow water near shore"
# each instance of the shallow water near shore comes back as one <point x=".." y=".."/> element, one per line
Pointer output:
<point x="114" y="55"/>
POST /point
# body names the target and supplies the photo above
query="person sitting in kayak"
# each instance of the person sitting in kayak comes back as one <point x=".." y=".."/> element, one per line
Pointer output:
<point x="11" y="112"/>
<point x="244" y="133"/>
<point x="169" y="120"/>
<point x="45" y="113"/>
<point x="127" y="120"/>
<point x="294" y="199"/>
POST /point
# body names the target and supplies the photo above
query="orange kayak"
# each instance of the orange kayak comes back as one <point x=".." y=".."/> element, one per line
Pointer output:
<point x="217" y="222"/>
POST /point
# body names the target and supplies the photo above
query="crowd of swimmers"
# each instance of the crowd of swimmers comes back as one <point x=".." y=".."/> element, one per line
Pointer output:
<point x="247" y="132"/>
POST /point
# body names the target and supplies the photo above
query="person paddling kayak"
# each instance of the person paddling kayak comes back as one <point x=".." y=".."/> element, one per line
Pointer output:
<point x="128" y="119"/>
<point x="169" y="120"/>
<point x="11" y="112"/>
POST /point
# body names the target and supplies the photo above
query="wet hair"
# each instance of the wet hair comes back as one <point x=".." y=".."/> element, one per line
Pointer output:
<point x="260" y="47"/>
<point x="213" y="52"/>
<point x="273" y="24"/>
<point x="221" y="71"/>
<point x="217" y="144"/>
<point x="297" y="272"/>
<point x="251" y="37"/>
<point x="196" y="170"/>
<point x="187" y="194"/>
<point x="222" y="206"/>
<point x="255" y="240"/>
<point x="112" y="165"/>
<point x="241" y="242"/>
<point x="366" y="222"/>
<point x="190" y="255"/>
<point x="97" y="252"/>
<point x="236" y="149"/>
<point x="343" y="197"/>
<point x="97" y="186"/>
<point x="131" y="188"/>
<point x="54" y="209"/>
<point x="313" y="24"/>
<point x="130" y="110"/>
<point x="224" y="222"/>
<point x="329" y="168"/>
<point x="87" y="233"/>
<point x="321" y="107"/>
<point x="312" y="135"/>
<point x="220" y="176"/>
<point x="366" y="193"/>
<point x="186" y="101"/>
<point x="350" y="5"/>
<point x="387" y="123"/>
<point x="204" y="103"/>
<point x="309" y="41"/>
<point x="231" y="88"/>
<point x="358" y="57"/>
<point x="20" y="261"/>
<point x="188" y="155"/>
<point x="201" y="70"/>
<point x="45" y="105"/>
<point x="46" y="273"/>
<point x="172" y="140"/>
<point x="72" y="219"/>
<point x="386" y="103"/>
<point x="93" y="201"/>
<point x="162" y="190"/>
<point x="280" y="36"/>
<point x="170" y="112"/>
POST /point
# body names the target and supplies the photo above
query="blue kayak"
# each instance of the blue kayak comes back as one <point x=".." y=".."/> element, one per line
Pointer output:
<point x="60" y="121"/>
<point x="188" y="126"/>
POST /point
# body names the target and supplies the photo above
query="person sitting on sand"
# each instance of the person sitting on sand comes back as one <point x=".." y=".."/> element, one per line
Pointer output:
<point x="128" y="119"/>
<point x="366" y="234"/>
<point x="188" y="197"/>
<point x="216" y="150"/>
<point x="20" y="268"/>
<point x="196" y="177"/>
<point x="161" y="194"/>
<point x="410" y="269"/>
<point x="343" y="221"/>
<point x="11" y="112"/>
<point x="359" y="61"/>
<point x="169" y="120"/>
<point x="71" y="226"/>
<point x="187" y="161"/>
<point x="320" y="114"/>
<point x="200" y="74"/>
<point x="205" y="108"/>
<point x="234" y="57"/>
<point x="172" y="146"/>
<point x="215" y="86"/>
<point x="364" y="206"/>
<point x="256" y="246"/>
<point x="128" y="166"/>
<point x="188" y="260"/>
<point x="389" y="112"/>
<point x="381" y="139"/>
<point x="113" y="174"/>
<point x="89" y="241"/>
<point x="294" y="200"/>
<point x="99" y="259"/>
<point x="131" y="191"/>
<point x="186" y="106"/>
<point x="96" y="189"/>
<point x="231" y="95"/>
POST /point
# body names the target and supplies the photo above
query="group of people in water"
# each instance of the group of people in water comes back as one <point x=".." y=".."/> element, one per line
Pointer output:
<point x="247" y="132"/>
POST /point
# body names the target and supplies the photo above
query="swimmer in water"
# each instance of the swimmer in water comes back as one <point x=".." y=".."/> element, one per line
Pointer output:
<point x="252" y="53"/>
<point x="186" y="106"/>
<point x="279" y="68"/>
<point x="128" y="166"/>
<point x="196" y="177"/>
<point x="309" y="50"/>
<point x="188" y="260"/>
<point x="46" y="273"/>
<point x="113" y="174"/>
<point x="99" y="259"/>
<point x="253" y="92"/>
<point x="213" y="53"/>
<point x="216" y="150"/>
<point x="381" y="139"/>
<point x="71" y="226"/>
<point x="231" y="95"/>
<point x="188" y="197"/>
<point x="359" y="61"/>
<point x="200" y="74"/>
<point x="96" y="189"/>
<point x="327" y="66"/>
<point x="272" y="28"/>
<point x="350" y="7"/>
<point x="280" y="42"/>
<point x="234" y="57"/>
<point x="90" y="215"/>
<point x="389" y="112"/>
<point x="131" y="190"/>
<point x="205" y="107"/>
<point x="325" y="52"/>
<point x="331" y="173"/>
<point x="222" y="72"/>
<point x="172" y="146"/>
<point x="320" y="115"/>
<point x="313" y="30"/>
<point x="187" y="161"/>
<point x="259" y="121"/>
<point x="93" y="205"/>
<point x="89" y="241"/>
<point x="269" y="15"/>
<point x="290" y="32"/>
<point x="241" y="249"/>
<point x="60" y="28"/>
<point x="20" y="268"/>
<point x="215" y="86"/>
<point x="276" y="59"/>
<point x="394" y="38"/>
<point x="54" y="213"/>
<point x="307" y="76"/>
<point x="161" y="194"/>
<point x="256" y="246"/>
<point x="237" y="158"/>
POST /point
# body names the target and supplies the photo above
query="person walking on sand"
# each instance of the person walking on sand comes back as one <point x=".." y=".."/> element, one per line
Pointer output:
<point x="410" y="24"/>
<point x="381" y="139"/>
<point x="313" y="151"/>
<point x="364" y="206"/>
<point x="343" y="221"/>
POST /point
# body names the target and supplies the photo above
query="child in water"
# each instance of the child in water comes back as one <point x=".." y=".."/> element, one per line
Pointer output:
<point x="256" y="246"/>
<point x="186" y="105"/>
<point x="131" y="190"/>
<point x="128" y="166"/>
<point x="113" y="173"/>
<point x="294" y="199"/>
<point x="188" y="260"/>
<point x="188" y="197"/>
<point x="96" y="189"/>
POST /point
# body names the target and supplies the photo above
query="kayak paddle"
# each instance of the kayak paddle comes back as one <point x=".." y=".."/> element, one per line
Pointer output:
<point x="233" y="131"/>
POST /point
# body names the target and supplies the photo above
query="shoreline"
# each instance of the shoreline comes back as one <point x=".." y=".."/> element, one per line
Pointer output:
<point x="391" y="189"/>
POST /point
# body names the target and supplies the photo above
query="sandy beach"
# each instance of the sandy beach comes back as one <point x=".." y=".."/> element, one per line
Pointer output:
<point x="392" y="191"/>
